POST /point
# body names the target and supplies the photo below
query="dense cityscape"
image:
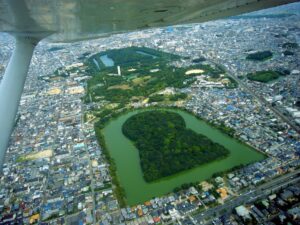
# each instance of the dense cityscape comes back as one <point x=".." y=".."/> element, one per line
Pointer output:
<point x="55" y="171"/>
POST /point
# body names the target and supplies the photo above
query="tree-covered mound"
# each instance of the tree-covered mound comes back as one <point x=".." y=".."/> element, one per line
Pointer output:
<point x="290" y="45"/>
<point x="263" y="76"/>
<point x="260" y="56"/>
<point x="166" y="146"/>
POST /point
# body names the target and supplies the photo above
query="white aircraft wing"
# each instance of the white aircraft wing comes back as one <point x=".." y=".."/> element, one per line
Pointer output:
<point x="70" y="20"/>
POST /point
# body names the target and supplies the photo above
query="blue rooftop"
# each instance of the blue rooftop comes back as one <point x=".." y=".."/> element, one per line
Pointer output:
<point x="230" y="108"/>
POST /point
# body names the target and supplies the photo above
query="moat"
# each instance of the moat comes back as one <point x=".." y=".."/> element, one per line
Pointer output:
<point x="129" y="172"/>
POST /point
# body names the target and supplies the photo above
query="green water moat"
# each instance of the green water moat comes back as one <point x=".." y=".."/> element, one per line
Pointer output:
<point x="129" y="171"/>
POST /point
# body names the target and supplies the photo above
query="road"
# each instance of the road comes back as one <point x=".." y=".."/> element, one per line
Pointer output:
<point x="90" y="165"/>
<point x="264" y="102"/>
<point x="249" y="196"/>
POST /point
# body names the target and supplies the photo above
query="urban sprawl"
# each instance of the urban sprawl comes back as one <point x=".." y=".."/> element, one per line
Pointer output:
<point x="56" y="173"/>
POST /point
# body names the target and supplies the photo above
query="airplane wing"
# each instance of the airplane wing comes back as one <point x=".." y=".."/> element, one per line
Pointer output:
<point x="71" y="20"/>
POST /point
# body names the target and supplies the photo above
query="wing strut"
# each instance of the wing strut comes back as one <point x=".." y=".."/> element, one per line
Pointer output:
<point x="11" y="88"/>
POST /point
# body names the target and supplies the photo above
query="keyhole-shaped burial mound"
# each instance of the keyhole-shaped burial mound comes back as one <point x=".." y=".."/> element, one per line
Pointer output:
<point x="166" y="146"/>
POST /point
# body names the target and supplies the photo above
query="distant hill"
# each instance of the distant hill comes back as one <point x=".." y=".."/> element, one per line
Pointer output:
<point x="269" y="16"/>
<point x="276" y="12"/>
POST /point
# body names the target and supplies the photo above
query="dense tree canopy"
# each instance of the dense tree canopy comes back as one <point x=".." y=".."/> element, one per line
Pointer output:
<point x="263" y="76"/>
<point x="260" y="56"/>
<point x="166" y="146"/>
<point x="156" y="98"/>
<point x="145" y="74"/>
<point x="290" y="45"/>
